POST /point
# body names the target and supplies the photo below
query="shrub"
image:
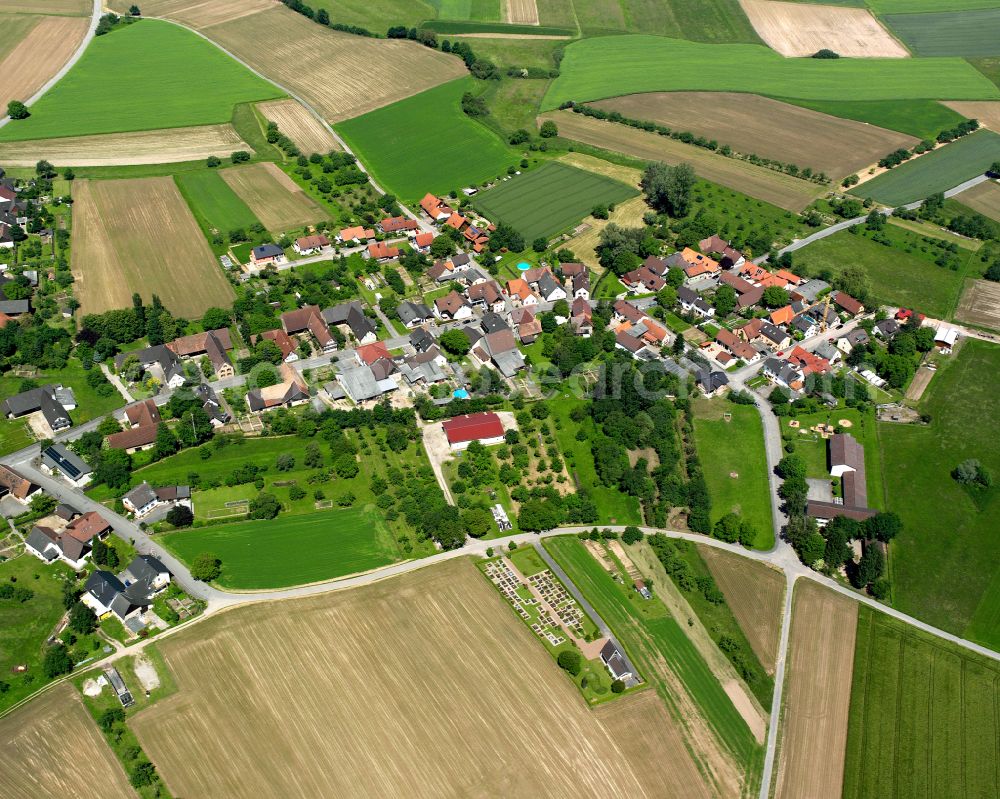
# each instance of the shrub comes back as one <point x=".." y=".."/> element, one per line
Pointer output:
<point x="570" y="660"/>
<point x="206" y="567"/>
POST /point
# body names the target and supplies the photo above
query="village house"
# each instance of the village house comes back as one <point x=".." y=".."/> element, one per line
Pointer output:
<point x="710" y="382"/>
<point x="267" y="254"/>
<point x="397" y="224"/>
<point x="72" y="544"/>
<point x="774" y="336"/>
<point x="144" y="421"/>
<point x="500" y="350"/>
<point x="310" y="245"/>
<point x="848" y="303"/>
<point x="285" y="343"/>
<point x="581" y="318"/>
<point x="424" y="367"/>
<point x="160" y="360"/>
<point x="855" y="338"/>
<point x="351" y="317"/>
<point x="421" y="339"/>
<point x="783" y="373"/>
<point x="214" y="344"/>
<point x="361" y="382"/>
<point x="291" y="391"/>
<point x="355" y="235"/>
<point x="520" y="293"/>
<point x="736" y="346"/>
<point x="436" y="208"/>
<point x="527" y="325"/>
<point x="730" y="257"/>
<point x="129" y="594"/>
<point x="15" y="485"/>
<point x="58" y="459"/>
<point x="143" y="499"/>
<point x="413" y="314"/>
<point x="381" y="252"/>
<point x="642" y="279"/>
<point x="486" y="295"/>
<point x="452" y="307"/>
<point x="422" y="242"/>
<point x="309" y="319"/>
<point x="53" y="401"/>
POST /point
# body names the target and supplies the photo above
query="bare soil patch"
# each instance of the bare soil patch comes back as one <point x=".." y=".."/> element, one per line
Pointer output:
<point x="522" y="12"/>
<point x="139" y="235"/>
<point x="392" y="689"/>
<point x="980" y="304"/>
<point x="986" y="111"/>
<point x="800" y="29"/>
<point x="276" y="200"/>
<point x="116" y="149"/>
<point x="295" y="121"/>
<point x="818" y="698"/>
<point x="919" y="384"/>
<point x="750" y="123"/>
<point x="984" y="198"/>
<point x="756" y="594"/>
<point x="35" y="745"/>
<point x="39" y="56"/>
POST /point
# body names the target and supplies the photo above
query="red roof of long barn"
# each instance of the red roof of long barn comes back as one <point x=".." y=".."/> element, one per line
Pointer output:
<point x="473" y="427"/>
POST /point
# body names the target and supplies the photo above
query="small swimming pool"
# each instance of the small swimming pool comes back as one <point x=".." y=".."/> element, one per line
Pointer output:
<point x="524" y="266"/>
<point x="460" y="393"/>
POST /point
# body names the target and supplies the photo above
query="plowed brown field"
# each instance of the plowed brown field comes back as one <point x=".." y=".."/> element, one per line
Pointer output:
<point x="39" y="56"/>
<point x="984" y="198"/>
<point x="295" y="121"/>
<point x="275" y="198"/>
<point x="425" y="685"/>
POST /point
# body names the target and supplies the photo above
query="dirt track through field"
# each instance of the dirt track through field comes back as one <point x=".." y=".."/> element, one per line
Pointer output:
<point x="818" y="694"/>
<point x="750" y="123"/>
<point x="980" y="304"/>
<point x="276" y="200"/>
<point x="139" y="235"/>
<point x="800" y="29"/>
<point x="39" y="56"/>
<point x="986" y="111"/>
<point x="522" y="12"/>
<point x="115" y="149"/>
<point x="984" y="198"/>
<point x="919" y="384"/>
<point x="294" y="120"/>
<point x="52" y="747"/>
<point x="756" y="595"/>
<point x="426" y="685"/>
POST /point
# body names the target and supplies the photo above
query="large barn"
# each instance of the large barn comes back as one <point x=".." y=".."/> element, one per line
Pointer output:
<point x="486" y="428"/>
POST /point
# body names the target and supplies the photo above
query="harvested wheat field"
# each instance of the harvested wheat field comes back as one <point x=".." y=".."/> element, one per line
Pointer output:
<point x="756" y="594"/>
<point x="340" y="75"/>
<point x="799" y="29"/>
<point x="35" y="745"/>
<point x="623" y="174"/>
<point x="750" y="123"/>
<point x="138" y="235"/>
<point x="294" y="120"/>
<point x="986" y="111"/>
<point x="521" y="12"/>
<point x="584" y="244"/>
<point x="818" y="693"/>
<point x="792" y="194"/>
<point x="984" y="198"/>
<point x="197" y="13"/>
<point x="980" y="304"/>
<point x="424" y="685"/>
<point x="276" y="199"/>
<point x="117" y="149"/>
<point x="54" y="7"/>
<point x="39" y="56"/>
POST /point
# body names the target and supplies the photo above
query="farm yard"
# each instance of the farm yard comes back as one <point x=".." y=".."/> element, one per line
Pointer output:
<point x="34" y="741"/>
<point x="750" y="123"/>
<point x="980" y="304"/>
<point x="817" y="702"/>
<point x="140" y="78"/>
<point x="782" y="190"/>
<point x="969" y="33"/>
<point x="118" y="149"/>
<point x="138" y="235"/>
<point x="550" y="199"/>
<point x="33" y="50"/>
<point x="418" y="636"/>
<point x="443" y="150"/>
<point x="984" y="198"/>
<point x="274" y="198"/>
<point x="294" y="120"/>
<point x="923" y="715"/>
<point x="213" y="202"/>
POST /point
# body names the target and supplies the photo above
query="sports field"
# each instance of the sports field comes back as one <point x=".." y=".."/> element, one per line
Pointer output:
<point x="752" y="124"/>
<point x="329" y="675"/>
<point x="443" y="149"/>
<point x="984" y="198"/>
<point x="35" y="740"/>
<point x="923" y="715"/>
<point x="777" y="188"/>
<point x="213" y="202"/>
<point x="945" y="565"/>
<point x="294" y="120"/>
<point x="146" y="76"/>
<point x="550" y="199"/>
<point x="962" y="33"/>
<point x="735" y="447"/>
<point x="939" y="170"/>
<point x="138" y="235"/>
<point x="33" y="50"/>
<point x="610" y="66"/>
<point x="273" y="196"/>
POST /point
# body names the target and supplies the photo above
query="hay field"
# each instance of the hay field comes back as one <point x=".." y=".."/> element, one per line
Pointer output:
<point x="138" y="235"/>
<point x="295" y="121"/>
<point x="797" y="29"/>
<point x="980" y="304"/>
<point x="521" y="12"/>
<point x="750" y="123"/>
<point x="116" y="149"/>
<point x="54" y="7"/>
<point x="984" y="198"/>
<point x="817" y="702"/>
<point x="52" y="747"/>
<point x="755" y="593"/>
<point x="792" y="194"/>
<point x="340" y="75"/>
<point x="39" y="56"/>
<point x="197" y="13"/>
<point x="276" y="199"/>
<point x="426" y="685"/>
<point x="986" y="111"/>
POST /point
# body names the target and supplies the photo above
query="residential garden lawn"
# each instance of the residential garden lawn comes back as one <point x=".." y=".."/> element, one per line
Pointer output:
<point x="939" y="170"/>
<point x="613" y="506"/>
<point x="675" y="323"/>
<point x="656" y="644"/>
<point x="214" y="204"/>
<point x="550" y="199"/>
<point x="291" y="549"/>
<point x="735" y="447"/>
<point x="443" y="149"/>
<point x="146" y="76"/>
<point x="964" y="33"/>
<point x="945" y="565"/>
<point x="904" y="274"/>
<point x="609" y="287"/>
<point x="610" y="66"/>
<point x="923" y="715"/>
<point x="924" y="119"/>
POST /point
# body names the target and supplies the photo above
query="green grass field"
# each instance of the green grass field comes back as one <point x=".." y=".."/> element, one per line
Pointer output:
<point x="655" y="641"/>
<point x="939" y="170"/>
<point x="924" y="119"/>
<point x="924" y="6"/>
<point x="474" y="10"/>
<point x="610" y="66"/>
<point x="146" y="76"/>
<point x="442" y="149"/>
<point x="736" y="446"/>
<point x="963" y="33"/>
<point x="213" y="203"/>
<point x="290" y="550"/>
<point x="550" y="199"/>
<point x="923" y="715"/>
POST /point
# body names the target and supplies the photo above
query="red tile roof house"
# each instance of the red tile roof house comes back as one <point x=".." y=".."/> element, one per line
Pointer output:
<point x="808" y="362"/>
<point x="436" y="208"/>
<point x="397" y="224"/>
<point x="422" y="242"/>
<point x="737" y="346"/>
<point x="307" y="245"/>
<point x="213" y="343"/>
<point x="355" y="235"/>
<point x="309" y="318"/>
<point x="527" y="326"/>
<point x="369" y="353"/>
<point x="487" y="294"/>
<point x="13" y="484"/>
<point x="643" y="279"/>
<point x="381" y="252"/>
<point x="848" y="303"/>
<point x="144" y="421"/>
<point x="283" y="340"/>
<point x="486" y="428"/>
